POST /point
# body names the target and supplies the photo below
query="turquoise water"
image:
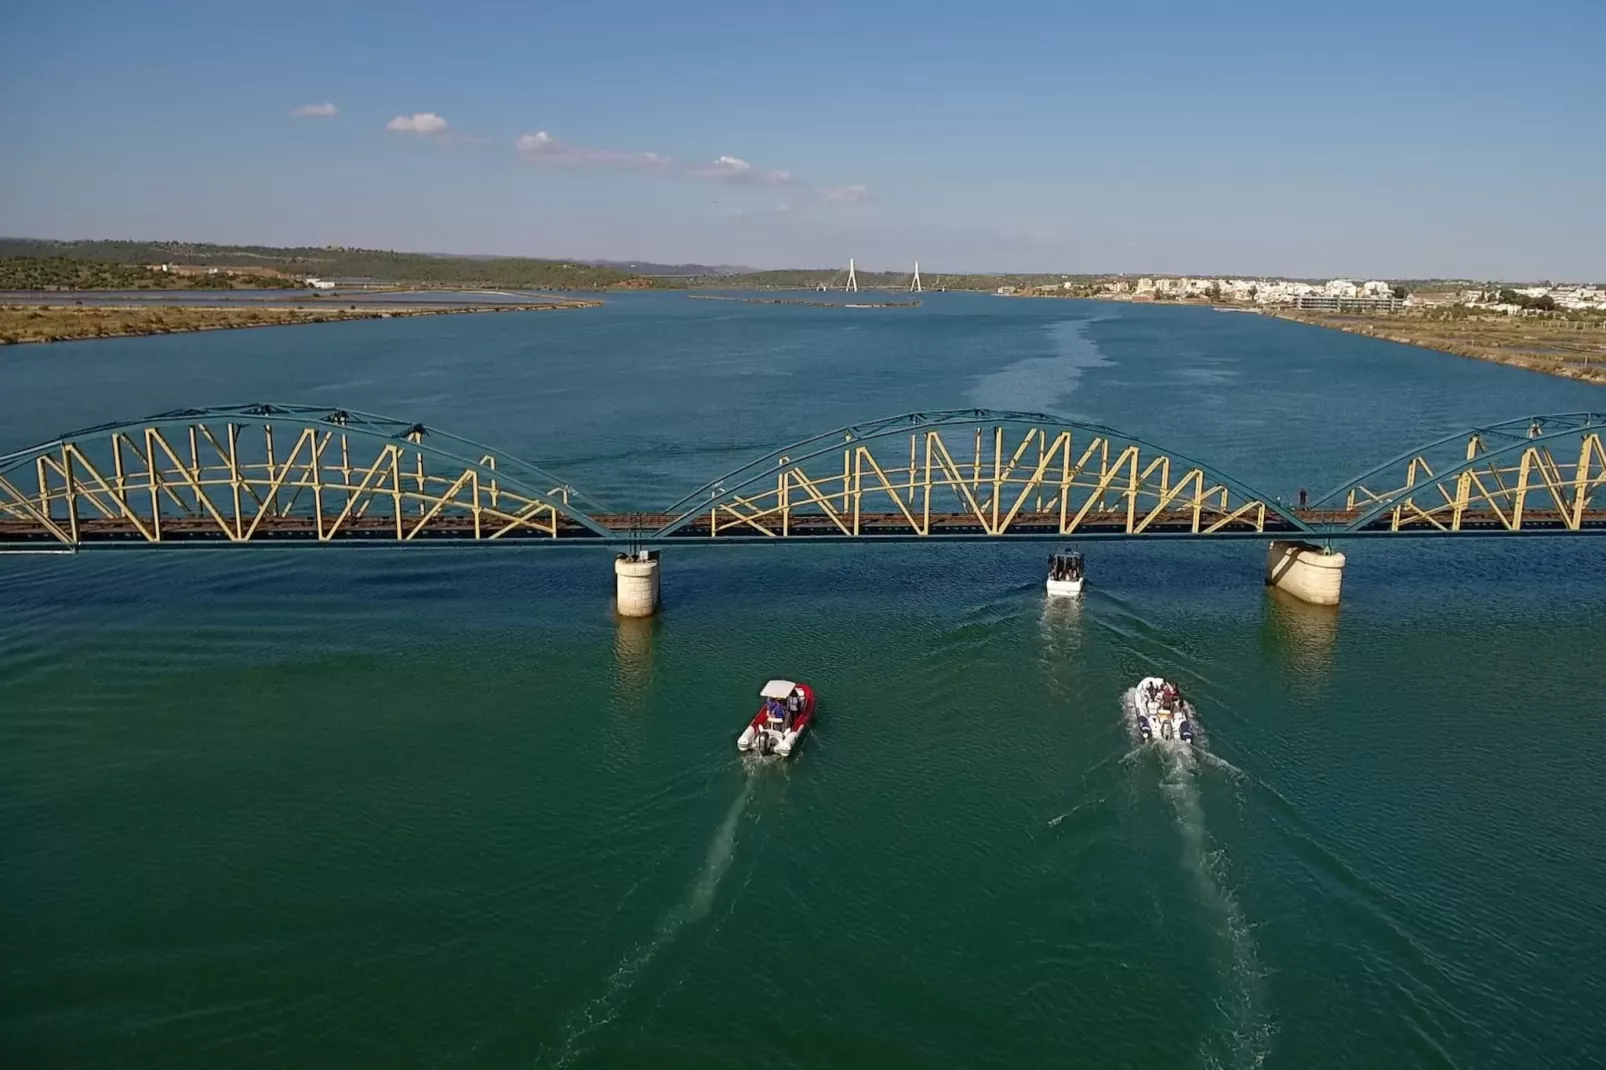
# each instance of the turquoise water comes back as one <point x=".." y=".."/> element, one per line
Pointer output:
<point x="375" y="807"/>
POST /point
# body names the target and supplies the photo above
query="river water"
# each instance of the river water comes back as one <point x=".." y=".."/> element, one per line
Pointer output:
<point x="393" y="808"/>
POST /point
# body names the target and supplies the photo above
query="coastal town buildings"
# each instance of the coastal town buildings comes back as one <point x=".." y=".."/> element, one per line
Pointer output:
<point x="1349" y="295"/>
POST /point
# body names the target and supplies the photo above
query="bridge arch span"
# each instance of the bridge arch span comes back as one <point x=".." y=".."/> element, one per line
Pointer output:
<point x="1531" y="474"/>
<point x="286" y="473"/>
<point x="979" y="472"/>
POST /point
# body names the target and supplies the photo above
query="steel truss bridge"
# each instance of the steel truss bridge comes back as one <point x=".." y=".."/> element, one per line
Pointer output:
<point x="254" y="474"/>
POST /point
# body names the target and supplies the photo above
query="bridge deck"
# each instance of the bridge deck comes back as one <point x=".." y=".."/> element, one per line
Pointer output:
<point x="102" y="531"/>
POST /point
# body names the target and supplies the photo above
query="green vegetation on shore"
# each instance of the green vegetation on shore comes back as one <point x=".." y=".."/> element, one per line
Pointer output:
<point x="60" y="273"/>
<point x="381" y="267"/>
<point x="65" y="323"/>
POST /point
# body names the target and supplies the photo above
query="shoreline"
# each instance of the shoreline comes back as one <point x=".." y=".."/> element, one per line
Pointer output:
<point x="1431" y="337"/>
<point x="30" y="324"/>
<point x="1555" y="347"/>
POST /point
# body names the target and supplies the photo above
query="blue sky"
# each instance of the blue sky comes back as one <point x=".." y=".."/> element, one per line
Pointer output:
<point x="1357" y="138"/>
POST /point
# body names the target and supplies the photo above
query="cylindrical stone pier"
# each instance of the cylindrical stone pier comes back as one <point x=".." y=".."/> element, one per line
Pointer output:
<point x="636" y="583"/>
<point x="1308" y="572"/>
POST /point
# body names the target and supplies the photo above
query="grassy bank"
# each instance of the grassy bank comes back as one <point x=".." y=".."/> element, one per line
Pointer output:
<point x="33" y="264"/>
<point x="67" y="323"/>
<point x="1574" y="348"/>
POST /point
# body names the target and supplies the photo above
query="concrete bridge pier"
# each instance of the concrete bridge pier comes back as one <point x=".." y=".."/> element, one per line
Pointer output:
<point x="1309" y="572"/>
<point x="636" y="583"/>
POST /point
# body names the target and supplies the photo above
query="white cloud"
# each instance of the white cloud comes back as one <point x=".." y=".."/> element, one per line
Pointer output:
<point x="739" y="172"/>
<point x="424" y="122"/>
<point x="542" y="147"/>
<point x="315" y="111"/>
<point x="854" y="194"/>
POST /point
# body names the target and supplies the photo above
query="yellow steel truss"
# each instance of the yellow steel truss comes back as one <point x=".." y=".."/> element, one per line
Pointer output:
<point x="235" y="483"/>
<point x="1493" y="487"/>
<point x="1043" y="480"/>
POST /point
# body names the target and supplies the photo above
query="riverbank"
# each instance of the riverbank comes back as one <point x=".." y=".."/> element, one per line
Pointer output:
<point x="1569" y="348"/>
<point x="21" y="324"/>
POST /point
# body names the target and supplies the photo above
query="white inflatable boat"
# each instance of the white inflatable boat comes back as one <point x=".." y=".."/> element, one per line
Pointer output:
<point x="1162" y="712"/>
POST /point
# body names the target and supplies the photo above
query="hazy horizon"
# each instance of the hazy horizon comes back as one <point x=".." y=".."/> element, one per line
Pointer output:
<point x="1439" y="141"/>
<point x="929" y="273"/>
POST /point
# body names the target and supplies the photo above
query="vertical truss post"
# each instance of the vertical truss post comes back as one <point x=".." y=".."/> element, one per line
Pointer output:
<point x="234" y="479"/>
<point x="858" y="487"/>
<point x="395" y="487"/>
<point x="912" y="465"/>
<point x="1581" y="482"/>
<point x="975" y="466"/>
<point x="926" y="487"/>
<point x="195" y="461"/>
<point x="156" y="498"/>
<point x="998" y="474"/>
<point x="1065" y="484"/>
<point x="418" y="458"/>
<point x="847" y="450"/>
<point x="1132" y="491"/>
<point x="1528" y="456"/>
<point x="345" y="469"/>
<point x="271" y="506"/>
<point x="783" y="498"/>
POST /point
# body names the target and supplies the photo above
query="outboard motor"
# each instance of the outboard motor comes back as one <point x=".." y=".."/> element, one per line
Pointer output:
<point x="1165" y="728"/>
<point x="1143" y="728"/>
<point x="1185" y="730"/>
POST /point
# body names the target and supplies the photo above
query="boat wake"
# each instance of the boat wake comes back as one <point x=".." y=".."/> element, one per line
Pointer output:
<point x="1245" y="1039"/>
<point x="693" y="907"/>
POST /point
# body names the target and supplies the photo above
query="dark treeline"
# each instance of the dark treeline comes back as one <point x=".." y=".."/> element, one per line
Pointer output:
<point x="380" y="266"/>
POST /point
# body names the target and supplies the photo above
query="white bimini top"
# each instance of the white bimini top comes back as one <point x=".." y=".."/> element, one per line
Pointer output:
<point x="777" y="689"/>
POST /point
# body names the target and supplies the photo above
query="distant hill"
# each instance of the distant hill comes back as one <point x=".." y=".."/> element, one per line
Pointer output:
<point x="337" y="262"/>
<point x="645" y="267"/>
<point x="835" y="278"/>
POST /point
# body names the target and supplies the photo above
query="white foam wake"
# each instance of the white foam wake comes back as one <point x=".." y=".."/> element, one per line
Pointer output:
<point x="693" y="906"/>
<point x="1246" y="1039"/>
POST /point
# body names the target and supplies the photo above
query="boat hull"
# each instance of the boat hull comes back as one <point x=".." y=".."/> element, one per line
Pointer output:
<point x="1064" y="588"/>
<point x="1157" y="724"/>
<point x="764" y="737"/>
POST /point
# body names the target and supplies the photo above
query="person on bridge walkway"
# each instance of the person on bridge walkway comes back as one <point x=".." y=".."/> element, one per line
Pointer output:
<point x="1302" y="497"/>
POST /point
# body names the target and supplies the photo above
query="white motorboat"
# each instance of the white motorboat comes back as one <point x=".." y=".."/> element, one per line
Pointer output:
<point x="1161" y="711"/>
<point x="785" y="712"/>
<point x="1066" y="574"/>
